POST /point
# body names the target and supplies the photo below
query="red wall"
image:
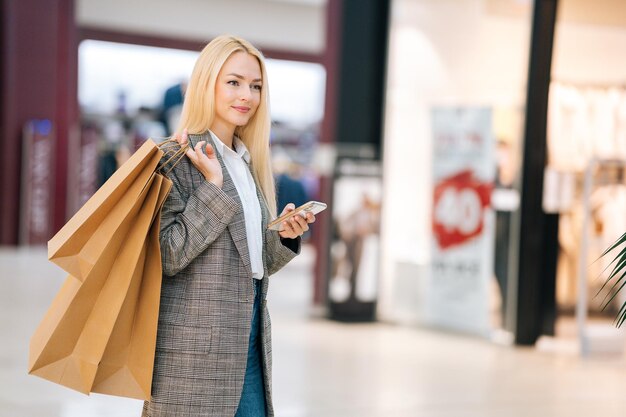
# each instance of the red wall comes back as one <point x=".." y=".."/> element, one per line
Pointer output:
<point x="38" y="80"/>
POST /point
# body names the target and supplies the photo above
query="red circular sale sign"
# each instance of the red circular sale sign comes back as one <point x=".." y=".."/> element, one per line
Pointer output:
<point x="459" y="204"/>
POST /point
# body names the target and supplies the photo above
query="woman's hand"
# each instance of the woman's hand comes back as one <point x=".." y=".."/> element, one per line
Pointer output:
<point x="296" y="225"/>
<point x="208" y="165"/>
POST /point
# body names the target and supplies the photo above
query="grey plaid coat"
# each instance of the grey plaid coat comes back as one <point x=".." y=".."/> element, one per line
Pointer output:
<point x="207" y="297"/>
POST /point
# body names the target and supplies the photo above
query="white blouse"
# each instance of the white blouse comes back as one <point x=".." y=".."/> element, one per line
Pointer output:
<point x="237" y="164"/>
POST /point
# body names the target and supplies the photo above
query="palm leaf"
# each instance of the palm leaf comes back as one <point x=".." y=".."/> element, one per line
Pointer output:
<point x="618" y="242"/>
<point x="616" y="279"/>
<point x="621" y="263"/>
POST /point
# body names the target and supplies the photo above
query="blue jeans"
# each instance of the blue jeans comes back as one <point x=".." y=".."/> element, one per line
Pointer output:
<point x="252" y="402"/>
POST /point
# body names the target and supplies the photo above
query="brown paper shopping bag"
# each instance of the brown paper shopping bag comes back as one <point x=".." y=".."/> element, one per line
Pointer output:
<point x="99" y="334"/>
<point x="68" y="348"/>
<point x="80" y="241"/>
<point x="127" y="364"/>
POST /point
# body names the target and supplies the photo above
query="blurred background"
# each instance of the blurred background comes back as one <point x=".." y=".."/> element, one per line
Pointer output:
<point x="471" y="152"/>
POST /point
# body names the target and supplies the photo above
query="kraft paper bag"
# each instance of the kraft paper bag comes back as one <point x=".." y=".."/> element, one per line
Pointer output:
<point x="99" y="334"/>
<point x="78" y="244"/>
<point x="70" y="343"/>
<point x="127" y="364"/>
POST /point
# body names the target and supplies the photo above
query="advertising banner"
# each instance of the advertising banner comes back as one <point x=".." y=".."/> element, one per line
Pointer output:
<point x="355" y="246"/>
<point x="462" y="220"/>
<point x="36" y="183"/>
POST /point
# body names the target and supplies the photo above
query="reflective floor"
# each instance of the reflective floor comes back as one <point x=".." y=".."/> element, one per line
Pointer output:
<point x="328" y="369"/>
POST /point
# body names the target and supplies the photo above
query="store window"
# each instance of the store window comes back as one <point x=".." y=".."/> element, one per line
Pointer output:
<point x="456" y="90"/>
<point x="586" y="164"/>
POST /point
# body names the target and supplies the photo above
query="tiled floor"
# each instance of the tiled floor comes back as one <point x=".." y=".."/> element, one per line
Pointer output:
<point x="328" y="369"/>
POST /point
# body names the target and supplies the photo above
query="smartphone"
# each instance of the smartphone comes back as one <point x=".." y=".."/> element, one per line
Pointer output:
<point x="310" y="207"/>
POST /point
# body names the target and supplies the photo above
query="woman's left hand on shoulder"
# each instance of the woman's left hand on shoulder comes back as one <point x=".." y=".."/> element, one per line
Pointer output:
<point x="296" y="225"/>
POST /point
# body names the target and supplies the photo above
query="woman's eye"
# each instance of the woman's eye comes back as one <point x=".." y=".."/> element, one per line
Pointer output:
<point x="233" y="82"/>
<point x="257" y="87"/>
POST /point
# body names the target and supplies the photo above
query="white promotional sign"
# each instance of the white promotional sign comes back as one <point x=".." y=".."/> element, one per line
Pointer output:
<point x="462" y="220"/>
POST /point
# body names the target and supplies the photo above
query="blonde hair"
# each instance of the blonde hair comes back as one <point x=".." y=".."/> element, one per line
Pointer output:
<point x="198" y="110"/>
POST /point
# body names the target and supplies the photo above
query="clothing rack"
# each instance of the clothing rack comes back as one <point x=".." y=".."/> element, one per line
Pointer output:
<point x="590" y="182"/>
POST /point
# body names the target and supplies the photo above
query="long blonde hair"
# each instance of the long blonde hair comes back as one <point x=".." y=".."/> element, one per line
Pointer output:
<point x="198" y="110"/>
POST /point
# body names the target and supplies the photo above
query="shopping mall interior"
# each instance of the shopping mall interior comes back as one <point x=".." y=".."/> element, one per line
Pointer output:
<point x="471" y="154"/>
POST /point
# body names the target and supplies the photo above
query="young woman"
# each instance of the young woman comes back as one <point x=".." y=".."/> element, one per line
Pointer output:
<point x="214" y="355"/>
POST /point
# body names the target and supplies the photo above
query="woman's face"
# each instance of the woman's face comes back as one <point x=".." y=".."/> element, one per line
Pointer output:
<point x="237" y="93"/>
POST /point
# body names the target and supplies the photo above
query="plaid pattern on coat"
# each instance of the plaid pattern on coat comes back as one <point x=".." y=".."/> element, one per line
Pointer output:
<point x="207" y="297"/>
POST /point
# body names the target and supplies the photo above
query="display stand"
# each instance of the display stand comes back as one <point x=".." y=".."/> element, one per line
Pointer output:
<point x="594" y="338"/>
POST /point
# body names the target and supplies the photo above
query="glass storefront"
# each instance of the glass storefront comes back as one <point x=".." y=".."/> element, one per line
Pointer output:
<point x="456" y="90"/>
<point x="586" y="162"/>
<point x="457" y="81"/>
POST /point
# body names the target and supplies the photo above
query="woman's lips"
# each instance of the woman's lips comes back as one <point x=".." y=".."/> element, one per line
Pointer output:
<point x="241" y="109"/>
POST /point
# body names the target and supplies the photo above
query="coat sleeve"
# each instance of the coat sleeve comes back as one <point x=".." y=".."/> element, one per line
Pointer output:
<point x="280" y="251"/>
<point x="190" y="225"/>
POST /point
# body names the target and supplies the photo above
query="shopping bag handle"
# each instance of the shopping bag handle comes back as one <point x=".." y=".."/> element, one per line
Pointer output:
<point x="166" y="146"/>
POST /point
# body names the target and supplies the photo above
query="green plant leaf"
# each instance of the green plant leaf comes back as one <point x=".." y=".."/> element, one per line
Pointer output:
<point x="616" y="280"/>
<point x="619" y="241"/>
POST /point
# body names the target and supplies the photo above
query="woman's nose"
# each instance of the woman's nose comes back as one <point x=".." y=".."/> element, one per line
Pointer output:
<point x="246" y="93"/>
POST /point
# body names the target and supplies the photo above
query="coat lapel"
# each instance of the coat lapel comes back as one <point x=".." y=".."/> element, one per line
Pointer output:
<point x="237" y="226"/>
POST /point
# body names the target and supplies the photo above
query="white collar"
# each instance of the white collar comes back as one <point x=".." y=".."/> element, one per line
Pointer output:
<point x="242" y="150"/>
